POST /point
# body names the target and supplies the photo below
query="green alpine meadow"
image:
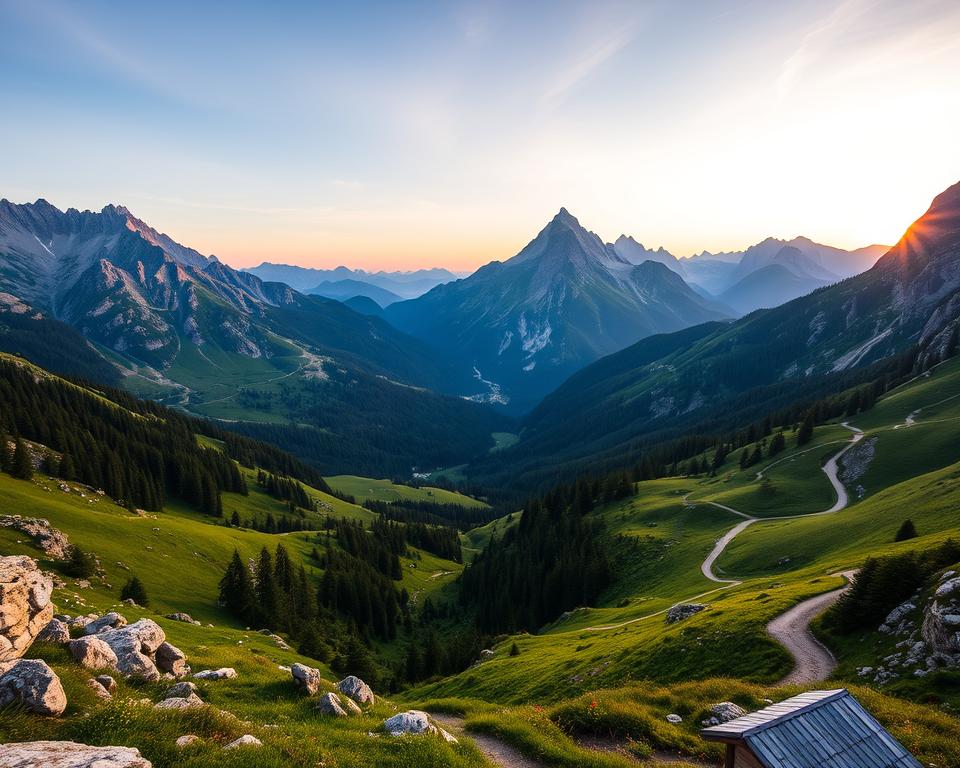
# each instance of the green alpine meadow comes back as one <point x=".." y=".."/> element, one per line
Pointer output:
<point x="480" y="385"/>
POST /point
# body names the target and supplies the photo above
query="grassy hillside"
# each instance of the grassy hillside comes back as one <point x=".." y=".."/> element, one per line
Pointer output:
<point x="365" y="488"/>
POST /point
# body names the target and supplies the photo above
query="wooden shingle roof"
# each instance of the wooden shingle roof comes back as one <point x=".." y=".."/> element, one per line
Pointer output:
<point x="817" y="729"/>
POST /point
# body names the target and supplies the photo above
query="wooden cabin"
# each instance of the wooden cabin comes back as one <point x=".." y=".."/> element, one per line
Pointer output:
<point x="817" y="729"/>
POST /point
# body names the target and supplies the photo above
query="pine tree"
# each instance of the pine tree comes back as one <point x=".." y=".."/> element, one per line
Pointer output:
<point x="21" y="465"/>
<point x="805" y="433"/>
<point x="514" y="649"/>
<point x="907" y="531"/>
<point x="236" y="591"/>
<point x="134" y="590"/>
<point x="78" y="563"/>
<point x="777" y="444"/>
<point x="268" y="594"/>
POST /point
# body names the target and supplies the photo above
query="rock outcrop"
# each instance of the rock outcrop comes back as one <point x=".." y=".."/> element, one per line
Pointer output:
<point x="112" y="620"/>
<point x="171" y="659"/>
<point x="306" y="678"/>
<point x="184" y="617"/>
<point x="69" y="754"/>
<point x="56" y="631"/>
<point x="54" y="543"/>
<point x="357" y="690"/>
<point x="25" y="607"/>
<point x="683" y="611"/>
<point x="134" y="646"/>
<point x="724" y="712"/>
<point x="941" y="619"/>
<point x="93" y="653"/>
<point x="34" y="685"/>
<point x="181" y="690"/>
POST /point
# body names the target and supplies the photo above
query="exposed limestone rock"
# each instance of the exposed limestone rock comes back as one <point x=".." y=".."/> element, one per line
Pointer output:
<point x="184" y="617"/>
<point x="187" y="740"/>
<point x="224" y="673"/>
<point x="675" y="719"/>
<point x="32" y="683"/>
<point x="25" y="607"/>
<point x="181" y="690"/>
<point x="93" y="653"/>
<point x="98" y="689"/>
<point x="357" y="690"/>
<point x="54" y="543"/>
<point x="68" y="754"/>
<point x="330" y="704"/>
<point x="306" y="678"/>
<point x="244" y="741"/>
<point x="111" y="620"/>
<point x="56" y="631"/>
<point x="180" y="702"/>
<point x="171" y="659"/>
<point x="416" y="723"/>
<point x="107" y="682"/>
<point x="683" y="611"/>
<point x="134" y="644"/>
<point x="724" y="712"/>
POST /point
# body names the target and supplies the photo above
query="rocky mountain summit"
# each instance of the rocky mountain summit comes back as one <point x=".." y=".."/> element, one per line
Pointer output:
<point x="564" y="300"/>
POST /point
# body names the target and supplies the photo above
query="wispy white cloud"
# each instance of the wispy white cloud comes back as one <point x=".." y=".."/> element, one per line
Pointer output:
<point x="589" y="62"/>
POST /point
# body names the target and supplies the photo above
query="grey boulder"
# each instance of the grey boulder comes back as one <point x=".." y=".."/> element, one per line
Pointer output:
<point x="33" y="684"/>
<point x="357" y="690"/>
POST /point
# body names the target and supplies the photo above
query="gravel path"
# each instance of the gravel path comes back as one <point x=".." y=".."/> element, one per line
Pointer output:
<point x="812" y="659"/>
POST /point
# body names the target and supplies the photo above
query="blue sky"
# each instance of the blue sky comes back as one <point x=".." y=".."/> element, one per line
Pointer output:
<point x="400" y="135"/>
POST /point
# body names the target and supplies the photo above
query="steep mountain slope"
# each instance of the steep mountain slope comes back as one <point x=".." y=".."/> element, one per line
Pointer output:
<point x="565" y="300"/>
<point x="769" y="286"/>
<point x="341" y="290"/>
<point x="407" y="285"/>
<point x="911" y="297"/>
<point x="193" y="331"/>
<point x="636" y="253"/>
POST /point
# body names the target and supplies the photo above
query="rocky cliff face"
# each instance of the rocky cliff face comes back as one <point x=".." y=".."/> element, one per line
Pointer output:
<point x="25" y="607"/>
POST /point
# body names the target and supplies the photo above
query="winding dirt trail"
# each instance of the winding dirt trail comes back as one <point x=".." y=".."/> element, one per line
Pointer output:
<point x="813" y="660"/>
<point x="496" y="751"/>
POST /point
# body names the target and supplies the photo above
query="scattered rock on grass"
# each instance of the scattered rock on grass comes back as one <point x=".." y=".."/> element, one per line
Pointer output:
<point x="32" y="683"/>
<point x="187" y="740"/>
<point x="683" y="611"/>
<point x="180" y="702"/>
<point x="357" y="690"/>
<point x="171" y="659"/>
<point x="181" y="690"/>
<point x="244" y="741"/>
<point x="107" y="682"/>
<point x="98" y="690"/>
<point x="224" y="673"/>
<point x="415" y="722"/>
<point x="330" y="704"/>
<point x="306" y="678"/>
<point x="675" y="719"/>
<point x="184" y="617"/>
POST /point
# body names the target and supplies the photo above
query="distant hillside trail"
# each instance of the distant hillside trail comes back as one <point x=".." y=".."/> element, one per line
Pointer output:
<point x="496" y="751"/>
<point x="813" y="661"/>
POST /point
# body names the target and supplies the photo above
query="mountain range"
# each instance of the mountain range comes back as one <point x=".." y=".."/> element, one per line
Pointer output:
<point x="764" y="275"/>
<point x="720" y="372"/>
<point x="406" y="285"/>
<point x="522" y="326"/>
<point x="192" y="331"/>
